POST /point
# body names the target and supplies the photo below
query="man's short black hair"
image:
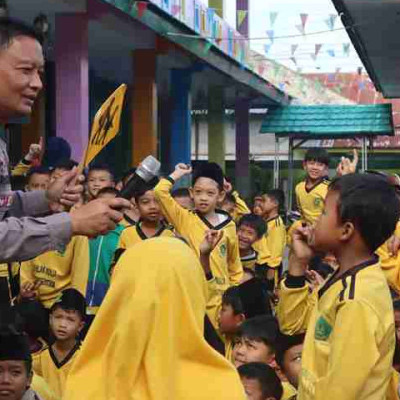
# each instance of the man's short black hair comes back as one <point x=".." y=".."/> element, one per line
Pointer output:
<point x="317" y="154"/>
<point x="102" y="167"/>
<point x="277" y="195"/>
<point x="284" y="343"/>
<point x="263" y="328"/>
<point x="231" y="297"/>
<point x="12" y="28"/>
<point x="108" y="190"/>
<point x="254" y="221"/>
<point x="269" y="381"/>
<point x="37" y="170"/>
<point x="370" y="203"/>
<point x="180" y="192"/>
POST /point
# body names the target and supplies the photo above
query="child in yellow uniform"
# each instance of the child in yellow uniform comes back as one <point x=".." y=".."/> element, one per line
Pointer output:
<point x="52" y="272"/>
<point x="38" y="178"/>
<point x="147" y="340"/>
<point x="260" y="381"/>
<point x="67" y="318"/>
<point x="311" y="193"/>
<point x="99" y="177"/>
<point x="350" y="339"/>
<point x="275" y="238"/>
<point x="207" y="191"/>
<point x="150" y="223"/>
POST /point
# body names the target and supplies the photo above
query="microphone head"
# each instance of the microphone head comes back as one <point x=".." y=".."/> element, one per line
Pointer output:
<point x="148" y="168"/>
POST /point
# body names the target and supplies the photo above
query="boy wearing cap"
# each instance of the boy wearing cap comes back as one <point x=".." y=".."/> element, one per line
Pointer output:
<point x="15" y="366"/>
<point x="207" y="191"/>
<point x="67" y="319"/>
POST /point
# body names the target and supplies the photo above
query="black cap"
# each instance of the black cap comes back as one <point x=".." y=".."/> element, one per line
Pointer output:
<point x="14" y="347"/>
<point x="71" y="299"/>
<point x="254" y="297"/>
<point x="209" y="170"/>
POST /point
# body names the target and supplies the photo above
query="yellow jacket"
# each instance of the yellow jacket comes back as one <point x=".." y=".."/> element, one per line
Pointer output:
<point x="59" y="270"/>
<point x="147" y="342"/>
<point x="350" y="339"/>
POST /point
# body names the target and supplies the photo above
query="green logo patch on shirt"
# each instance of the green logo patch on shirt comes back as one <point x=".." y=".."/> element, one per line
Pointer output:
<point x="317" y="202"/>
<point x="223" y="250"/>
<point x="322" y="329"/>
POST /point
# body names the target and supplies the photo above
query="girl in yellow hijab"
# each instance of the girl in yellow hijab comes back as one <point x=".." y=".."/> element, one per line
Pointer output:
<point x="147" y="342"/>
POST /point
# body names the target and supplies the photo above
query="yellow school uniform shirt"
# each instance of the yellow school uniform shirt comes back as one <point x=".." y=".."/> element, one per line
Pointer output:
<point x="59" y="270"/>
<point x="55" y="373"/>
<point x="350" y="339"/>
<point x="134" y="234"/>
<point x="289" y="392"/>
<point x="311" y="201"/>
<point x="390" y="264"/>
<point x="225" y="259"/>
<point x="40" y="386"/>
<point x="147" y="341"/>
<point x="240" y="207"/>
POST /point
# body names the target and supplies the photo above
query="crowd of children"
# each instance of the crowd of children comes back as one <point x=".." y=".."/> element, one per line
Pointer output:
<point x="188" y="297"/>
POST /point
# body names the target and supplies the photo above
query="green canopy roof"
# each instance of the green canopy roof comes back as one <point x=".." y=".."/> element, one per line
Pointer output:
<point x="329" y="121"/>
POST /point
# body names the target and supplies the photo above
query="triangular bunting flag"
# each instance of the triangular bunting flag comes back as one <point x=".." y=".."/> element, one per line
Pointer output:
<point x="281" y="86"/>
<point x="261" y="68"/>
<point x="267" y="48"/>
<point x="141" y="7"/>
<point x="346" y="49"/>
<point x="301" y="29"/>
<point x="271" y="35"/>
<point x="313" y="56"/>
<point x="331" y="52"/>
<point x="304" y="18"/>
<point x="272" y="18"/>
<point x="241" y="16"/>
<point x="317" y="49"/>
<point x="175" y="9"/>
<point x="294" y="48"/>
<point x="293" y="59"/>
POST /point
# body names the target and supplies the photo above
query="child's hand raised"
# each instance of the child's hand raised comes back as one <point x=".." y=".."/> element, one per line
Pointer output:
<point x="228" y="188"/>
<point x="180" y="171"/>
<point x="346" y="166"/>
<point x="302" y="251"/>
<point x="210" y="242"/>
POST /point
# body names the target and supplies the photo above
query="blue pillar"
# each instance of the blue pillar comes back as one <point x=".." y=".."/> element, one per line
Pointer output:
<point x="180" y="149"/>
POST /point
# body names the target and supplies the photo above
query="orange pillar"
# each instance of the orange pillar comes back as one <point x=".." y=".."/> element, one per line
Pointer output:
<point x="144" y="105"/>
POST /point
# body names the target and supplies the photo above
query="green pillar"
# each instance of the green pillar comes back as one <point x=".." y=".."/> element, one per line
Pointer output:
<point x="216" y="126"/>
<point x="218" y="5"/>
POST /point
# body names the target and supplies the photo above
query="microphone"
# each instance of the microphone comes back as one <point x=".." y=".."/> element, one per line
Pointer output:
<point x="145" y="173"/>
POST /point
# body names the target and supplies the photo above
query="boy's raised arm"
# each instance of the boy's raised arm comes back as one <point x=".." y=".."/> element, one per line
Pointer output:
<point x="173" y="212"/>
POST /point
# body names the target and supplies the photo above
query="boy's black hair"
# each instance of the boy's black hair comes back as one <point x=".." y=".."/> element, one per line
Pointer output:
<point x="269" y="381"/>
<point x="317" y="154"/>
<point x="66" y="164"/>
<point x="12" y="28"/>
<point x="370" y="203"/>
<point x="209" y="170"/>
<point x="231" y="298"/>
<point x="230" y="198"/>
<point x="396" y="305"/>
<point x="102" y="167"/>
<point x="284" y="343"/>
<point x="71" y="300"/>
<point x="263" y="328"/>
<point x="277" y="195"/>
<point x="254" y="221"/>
<point x="37" y="170"/>
<point x="108" y="190"/>
<point x="180" y="192"/>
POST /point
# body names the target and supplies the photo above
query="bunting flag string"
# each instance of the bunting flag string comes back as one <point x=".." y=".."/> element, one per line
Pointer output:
<point x="272" y="18"/>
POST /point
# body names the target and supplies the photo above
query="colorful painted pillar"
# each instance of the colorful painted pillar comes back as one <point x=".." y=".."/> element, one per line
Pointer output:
<point x="72" y="81"/>
<point x="180" y="149"/>
<point x="216" y="126"/>
<point x="144" y="105"/>
<point x="242" y="114"/>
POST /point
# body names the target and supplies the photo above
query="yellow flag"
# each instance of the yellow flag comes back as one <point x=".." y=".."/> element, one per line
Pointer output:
<point x="106" y="124"/>
<point x="241" y="15"/>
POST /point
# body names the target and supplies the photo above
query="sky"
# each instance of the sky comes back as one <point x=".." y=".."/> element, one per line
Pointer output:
<point x="332" y="54"/>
